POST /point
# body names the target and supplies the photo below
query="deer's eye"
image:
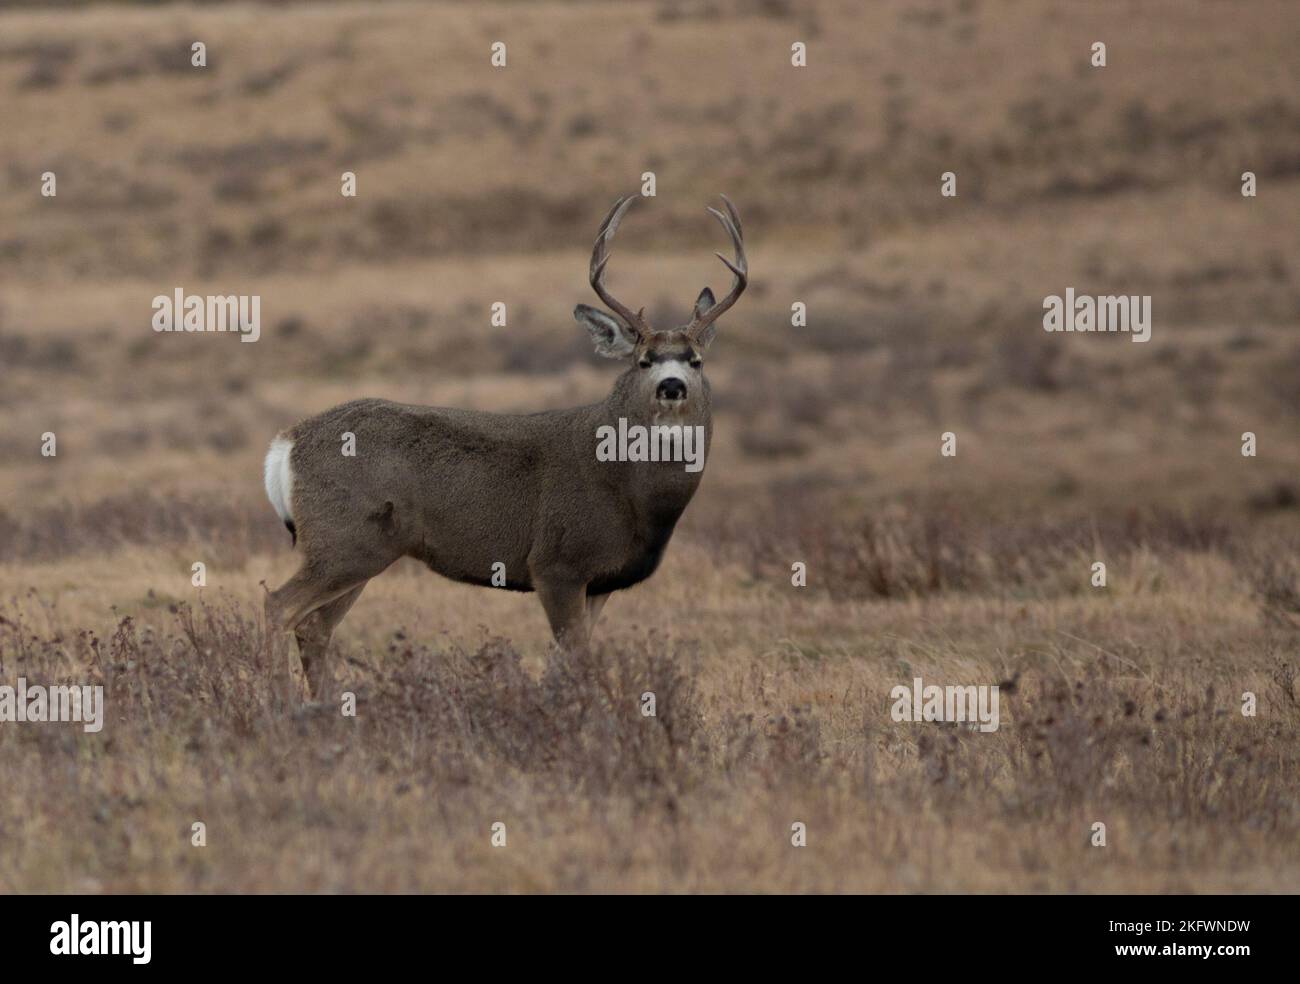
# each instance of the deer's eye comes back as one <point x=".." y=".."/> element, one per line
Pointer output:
<point x="696" y="362"/>
<point x="644" y="363"/>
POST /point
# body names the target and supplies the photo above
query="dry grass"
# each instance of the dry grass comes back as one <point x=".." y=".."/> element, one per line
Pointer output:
<point x="1119" y="705"/>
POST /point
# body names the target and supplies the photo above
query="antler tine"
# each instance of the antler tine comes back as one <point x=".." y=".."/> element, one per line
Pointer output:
<point x="739" y="269"/>
<point x="735" y="216"/>
<point x="600" y="257"/>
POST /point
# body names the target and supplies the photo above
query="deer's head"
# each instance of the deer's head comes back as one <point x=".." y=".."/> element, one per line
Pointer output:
<point x="668" y="363"/>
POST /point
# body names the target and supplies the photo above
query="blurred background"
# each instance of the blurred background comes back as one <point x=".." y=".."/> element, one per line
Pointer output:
<point x="478" y="184"/>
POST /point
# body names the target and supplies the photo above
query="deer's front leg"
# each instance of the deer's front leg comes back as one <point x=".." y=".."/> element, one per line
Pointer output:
<point x="566" y="609"/>
<point x="594" y="604"/>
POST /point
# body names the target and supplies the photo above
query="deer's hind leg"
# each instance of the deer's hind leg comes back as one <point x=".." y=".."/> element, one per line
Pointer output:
<point x="335" y="567"/>
<point x="289" y="605"/>
<point x="313" y="634"/>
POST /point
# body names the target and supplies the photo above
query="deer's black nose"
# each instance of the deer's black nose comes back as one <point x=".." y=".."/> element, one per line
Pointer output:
<point x="671" y="389"/>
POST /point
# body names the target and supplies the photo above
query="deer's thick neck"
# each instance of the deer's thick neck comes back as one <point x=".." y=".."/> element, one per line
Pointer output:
<point x="661" y="488"/>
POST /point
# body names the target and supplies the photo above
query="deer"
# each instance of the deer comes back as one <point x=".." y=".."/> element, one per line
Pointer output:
<point x="520" y="501"/>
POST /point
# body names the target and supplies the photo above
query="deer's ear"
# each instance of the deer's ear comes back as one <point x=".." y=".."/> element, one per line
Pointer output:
<point x="704" y="302"/>
<point x="614" y="340"/>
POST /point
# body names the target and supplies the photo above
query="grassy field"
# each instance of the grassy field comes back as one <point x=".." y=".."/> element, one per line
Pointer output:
<point x="1119" y="705"/>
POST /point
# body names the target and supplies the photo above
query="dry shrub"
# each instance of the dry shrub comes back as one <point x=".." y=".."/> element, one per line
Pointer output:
<point x="1183" y="754"/>
<point x="920" y="550"/>
<point x="1275" y="579"/>
<point x="443" y="714"/>
<point x="443" y="735"/>
<point x="581" y="723"/>
<point x="232" y="529"/>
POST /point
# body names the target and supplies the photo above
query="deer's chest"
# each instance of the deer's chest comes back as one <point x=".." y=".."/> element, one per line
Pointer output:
<point x="640" y="555"/>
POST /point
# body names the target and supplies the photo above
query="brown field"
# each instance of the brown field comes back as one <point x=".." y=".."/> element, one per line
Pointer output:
<point x="1119" y="704"/>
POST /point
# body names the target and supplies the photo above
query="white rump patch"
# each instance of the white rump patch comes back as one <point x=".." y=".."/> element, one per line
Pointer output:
<point x="279" y="478"/>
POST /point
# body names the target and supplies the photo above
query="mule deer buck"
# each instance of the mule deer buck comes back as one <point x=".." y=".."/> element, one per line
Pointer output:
<point x="466" y="491"/>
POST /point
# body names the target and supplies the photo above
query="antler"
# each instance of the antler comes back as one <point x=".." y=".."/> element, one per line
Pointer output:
<point x="600" y="256"/>
<point x="739" y="269"/>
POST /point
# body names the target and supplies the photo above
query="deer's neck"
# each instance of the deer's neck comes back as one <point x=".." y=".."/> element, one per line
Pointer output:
<point x="658" y="489"/>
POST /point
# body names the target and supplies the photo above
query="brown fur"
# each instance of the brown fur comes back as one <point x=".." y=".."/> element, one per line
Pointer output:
<point x="462" y="490"/>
